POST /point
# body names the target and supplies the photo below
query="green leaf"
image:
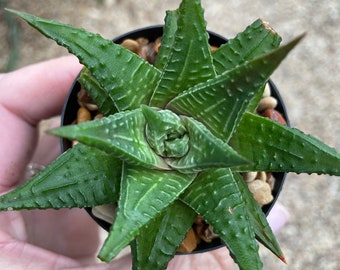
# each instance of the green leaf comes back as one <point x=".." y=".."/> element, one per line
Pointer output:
<point x="216" y="197"/>
<point x="277" y="148"/>
<point x="257" y="39"/>
<point x="101" y="98"/>
<point x="81" y="177"/>
<point x="165" y="132"/>
<point x="221" y="102"/>
<point x="263" y="232"/>
<point x="205" y="151"/>
<point x="121" y="134"/>
<point x="128" y="79"/>
<point x="168" y="38"/>
<point x="159" y="240"/>
<point x="144" y="194"/>
<point x="189" y="60"/>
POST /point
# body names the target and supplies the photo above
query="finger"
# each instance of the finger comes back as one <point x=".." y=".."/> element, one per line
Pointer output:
<point x="21" y="255"/>
<point x="123" y="263"/>
<point x="38" y="91"/>
<point x="48" y="147"/>
<point x="218" y="259"/>
<point x="68" y="232"/>
<point x="278" y="217"/>
<point x="27" y="96"/>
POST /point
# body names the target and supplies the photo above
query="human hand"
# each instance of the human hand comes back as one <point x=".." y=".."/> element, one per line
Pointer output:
<point x="48" y="239"/>
<point x="52" y="239"/>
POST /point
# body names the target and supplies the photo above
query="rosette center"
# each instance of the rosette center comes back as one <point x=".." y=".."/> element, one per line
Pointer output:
<point x="165" y="133"/>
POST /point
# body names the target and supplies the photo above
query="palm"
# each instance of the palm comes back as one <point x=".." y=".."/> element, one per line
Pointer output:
<point x="18" y="144"/>
<point x="37" y="228"/>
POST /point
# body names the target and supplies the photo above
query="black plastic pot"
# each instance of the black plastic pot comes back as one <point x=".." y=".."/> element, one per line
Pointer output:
<point x="69" y="114"/>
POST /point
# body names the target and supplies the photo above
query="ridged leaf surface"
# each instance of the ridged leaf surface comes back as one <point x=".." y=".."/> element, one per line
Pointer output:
<point x="121" y="134"/>
<point x="158" y="241"/>
<point x="263" y="232"/>
<point x="277" y="148"/>
<point x="163" y="164"/>
<point x="215" y="195"/>
<point x="189" y="60"/>
<point x="168" y="38"/>
<point x="144" y="194"/>
<point x="257" y="39"/>
<point x="205" y="151"/>
<point x="219" y="103"/>
<point x="99" y="95"/>
<point x="118" y="70"/>
<point x="81" y="177"/>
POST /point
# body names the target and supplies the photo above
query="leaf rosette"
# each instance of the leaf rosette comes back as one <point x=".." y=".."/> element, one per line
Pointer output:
<point x="175" y="139"/>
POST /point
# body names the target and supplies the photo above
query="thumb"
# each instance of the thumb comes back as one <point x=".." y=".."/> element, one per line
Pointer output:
<point x="27" y="96"/>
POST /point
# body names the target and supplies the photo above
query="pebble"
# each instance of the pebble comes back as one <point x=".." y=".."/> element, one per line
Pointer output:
<point x="261" y="191"/>
<point x="203" y="231"/>
<point x="267" y="103"/>
<point x="105" y="212"/>
<point x="84" y="100"/>
<point x="189" y="243"/>
<point x="83" y="115"/>
<point x="249" y="176"/>
<point x="261" y="176"/>
<point x="131" y="45"/>
<point x="267" y="91"/>
<point x="274" y="115"/>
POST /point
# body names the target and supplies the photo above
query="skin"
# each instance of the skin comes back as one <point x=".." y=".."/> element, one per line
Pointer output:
<point x="52" y="239"/>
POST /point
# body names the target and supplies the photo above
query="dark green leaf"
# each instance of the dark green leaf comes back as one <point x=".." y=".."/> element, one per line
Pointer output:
<point x="121" y="134"/>
<point x="158" y="241"/>
<point x="205" y="151"/>
<point x="168" y="37"/>
<point x="189" y="60"/>
<point x="221" y="102"/>
<point x="263" y="232"/>
<point x="257" y="39"/>
<point x="101" y="98"/>
<point x="127" y="78"/>
<point x="81" y="177"/>
<point x="215" y="195"/>
<point x="165" y="132"/>
<point x="277" y="148"/>
<point x="144" y="195"/>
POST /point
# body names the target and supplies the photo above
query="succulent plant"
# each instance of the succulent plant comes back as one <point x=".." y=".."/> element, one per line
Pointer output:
<point x="175" y="139"/>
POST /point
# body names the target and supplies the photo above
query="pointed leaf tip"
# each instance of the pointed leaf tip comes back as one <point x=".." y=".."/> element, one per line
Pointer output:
<point x="282" y="258"/>
<point x="124" y="88"/>
<point x="144" y="195"/>
<point x="121" y="134"/>
<point x="295" y="41"/>
<point x="221" y="102"/>
<point x="189" y="44"/>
